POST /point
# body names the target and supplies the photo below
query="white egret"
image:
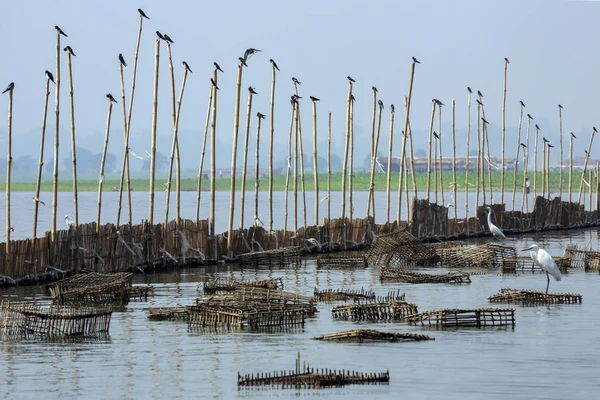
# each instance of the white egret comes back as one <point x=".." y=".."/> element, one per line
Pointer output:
<point x="545" y="262"/>
<point x="493" y="228"/>
<point x="69" y="222"/>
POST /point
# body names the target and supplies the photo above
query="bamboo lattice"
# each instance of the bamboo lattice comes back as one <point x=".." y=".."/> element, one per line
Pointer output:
<point x="403" y="275"/>
<point x="478" y="318"/>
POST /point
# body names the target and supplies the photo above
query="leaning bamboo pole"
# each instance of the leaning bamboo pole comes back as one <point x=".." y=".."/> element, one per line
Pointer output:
<point x="201" y="167"/>
<point x="373" y="164"/>
<point x="271" y="138"/>
<point x="516" y="163"/>
<point x="454" y="159"/>
<point x="329" y="176"/>
<point x="73" y="146"/>
<point x="259" y="117"/>
<point x="597" y="187"/>
<point x="560" y="143"/>
<point x="503" y="134"/>
<point x="549" y="146"/>
<point x="535" y="145"/>
<point x="153" y="133"/>
<point x="571" y="167"/>
<point x="389" y="165"/>
<point x="213" y="159"/>
<point x="467" y="161"/>
<point x="38" y="184"/>
<point x="406" y="121"/>
<point x="102" y="162"/>
<point x="236" y="126"/>
<point x="412" y="158"/>
<point x="301" y="155"/>
<point x="345" y="162"/>
<point x="245" y="159"/>
<point x="315" y="163"/>
<point x="525" y="197"/>
<point x="486" y="142"/>
<point x="56" y="134"/>
<point x="177" y="153"/>
<point x="405" y="179"/>
<point x="373" y="118"/>
<point x="174" y="144"/>
<point x="429" y="150"/>
<point x="8" y="170"/>
<point x="289" y="165"/>
<point x="126" y="145"/>
<point x="587" y="157"/>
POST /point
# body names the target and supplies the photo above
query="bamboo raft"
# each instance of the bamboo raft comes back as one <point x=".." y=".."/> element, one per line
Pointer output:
<point x="403" y="275"/>
<point x="307" y="377"/>
<point x="401" y="249"/>
<point x="480" y="317"/>
<point x="362" y="335"/>
<point x="343" y="294"/>
<point x="341" y="261"/>
<point x="228" y="285"/>
<point x="533" y="297"/>
<point x="279" y="258"/>
<point x="489" y="255"/>
<point x="29" y="319"/>
<point x="381" y="311"/>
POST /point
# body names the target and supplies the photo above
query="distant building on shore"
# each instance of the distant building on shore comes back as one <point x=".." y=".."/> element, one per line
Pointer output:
<point x="420" y="163"/>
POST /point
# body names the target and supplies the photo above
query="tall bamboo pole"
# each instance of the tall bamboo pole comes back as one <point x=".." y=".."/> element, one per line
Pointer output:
<point x="153" y="133"/>
<point x="435" y="166"/>
<point x="297" y="106"/>
<point x="429" y="150"/>
<point x="571" y="167"/>
<point x="126" y="146"/>
<point x="103" y="161"/>
<point x="177" y="153"/>
<point x="516" y="163"/>
<point x="389" y="164"/>
<point x="478" y="180"/>
<point x="345" y="163"/>
<point x="373" y="118"/>
<point x="10" y="90"/>
<point x="329" y="174"/>
<point x="245" y="159"/>
<point x="525" y="197"/>
<point x="406" y="119"/>
<point x="454" y="158"/>
<point x="441" y="156"/>
<point x="597" y="187"/>
<point x="73" y="146"/>
<point x="503" y="132"/>
<point x="301" y="154"/>
<point x="289" y="164"/>
<point x="174" y="144"/>
<point x="560" y="143"/>
<point x="259" y="117"/>
<point x="236" y="126"/>
<point x="467" y="160"/>
<point x="535" y="145"/>
<point x="543" y="169"/>
<point x="213" y="157"/>
<point x="587" y="157"/>
<point x="201" y="167"/>
<point x="412" y="158"/>
<point x="549" y="146"/>
<point x="271" y="138"/>
<point x="374" y="162"/>
<point x="56" y="132"/>
<point x="590" y="191"/>
<point x="38" y="184"/>
<point x="351" y="165"/>
<point x="315" y="163"/>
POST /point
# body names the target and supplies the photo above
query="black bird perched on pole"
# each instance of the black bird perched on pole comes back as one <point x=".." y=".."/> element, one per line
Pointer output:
<point x="242" y="61"/>
<point x="251" y="90"/>
<point x="484" y="120"/>
<point x="50" y="76"/>
<point x="572" y="134"/>
<point x="439" y="103"/>
<point x="469" y="89"/>
<point x="250" y="52"/>
<point x="479" y="102"/>
<point x="9" y="88"/>
<point x="506" y="59"/>
<point x="261" y="116"/>
<point x="595" y="130"/>
<point x="122" y="60"/>
<point x="187" y="67"/>
<point x="295" y="97"/>
<point x="549" y="145"/>
<point x="529" y="116"/>
<point x="313" y="98"/>
<point x="111" y="98"/>
<point x="537" y="127"/>
<point x="560" y="106"/>
<point x="479" y="94"/>
<point x="416" y="61"/>
<point x="380" y="104"/>
<point x="296" y="81"/>
<point x="60" y="31"/>
<point x="374" y="89"/>
<point x="142" y="13"/>
<point x="274" y="64"/>
<point x="585" y="152"/>
<point x="69" y="50"/>
<point x="352" y="97"/>
<point x="214" y="83"/>
<point x="522" y="104"/>
<point x="350" y="79"/>
<point x="167" y="38"/>
<point x="392" y="108"/>
<point x="524" y="145"/>
<point x="545" y="140"/>
<point x="436" y="135"/>
<point x="160" y="35"/>
<point x="217" y="67"/>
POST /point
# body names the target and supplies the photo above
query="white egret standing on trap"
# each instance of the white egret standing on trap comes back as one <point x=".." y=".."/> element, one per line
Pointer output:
<point x="493" y="228"/>
<point x="69" y="222"/>
<point x="545" y="262"/>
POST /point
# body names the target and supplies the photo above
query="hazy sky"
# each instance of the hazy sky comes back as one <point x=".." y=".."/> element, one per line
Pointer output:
<point x="552" y="46"/>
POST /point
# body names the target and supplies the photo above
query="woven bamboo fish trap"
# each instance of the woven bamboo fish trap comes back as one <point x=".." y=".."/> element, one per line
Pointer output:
<point x="401" y="249"/>
<point x="279" y="258"/>
<point x="363" y="335"/>
<point x="581" y="258"/>
<point x="168" y="313"/>
<point x="390" y="296"/>
<point x="526" y="263"/>
<point x="489" y="255"/>
<point x="336" y="261"/>
<point x="29" y="319"/>
<point x="404" y="275"/>
<point x="343" y="294"/>
<point x="476" y="318"/>
<point x="383" y="311"/>
<point x="534" y="297"/>
<point x="228" y="285"/>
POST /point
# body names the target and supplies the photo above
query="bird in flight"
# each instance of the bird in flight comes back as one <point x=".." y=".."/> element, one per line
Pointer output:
<point x="250" y="52"/>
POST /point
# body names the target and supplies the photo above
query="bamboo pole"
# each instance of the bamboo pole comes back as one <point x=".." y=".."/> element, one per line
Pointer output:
<point x="454" y="159"/>
<point x="315" y="163"/>
<point x="435" y="165"/>
<point x="429" y="150"/>
<point x="56" y="133"/>
<point x="373" y="163"/>
<point x="590" y="191"/>
<point x="373" y="118"/>
<point x="9" y="228"/>
<point x="467" y="160"/>
<point x="213" y="157"/>
<point x="126" y="146"/>
<point x="153" y="133"/>
<point x="236" y="126"/>
<point x="441" y="166"/>
<point x="587" y="157"/>
<point x="174" y="144"/>
<point x="543" y="168"/>
<point x="406" y="122"/>
<point x="516" y="163"/>
<point x="38" y="184"/>
<point x="329" y="175"/>
<point x="245" y="159"/>
<point x="412" y="158"/>
<point x="525" y="197"/>
<point x="177" y="153"/>
<point x="486" y="140"/>
<point x="549" y="146"/>
<point x="345" y="163"/>
<point x="296" y="106"/>
<point x="571" y="167"/>
<point x="289" y="164"/>
<point x="259" y="117"/>
<point x="271" y="139"/>
<point x="479" y="160"/>
<point x="201" y="167"/>
<point x="597" y="187"/>
<point x="302" y="180"/>
<point x="389" y="164"/>
<point x="103" y="161"/>
<point x="351" y="166"/>
<point x="560" y="143"/>
<point x="503" y="133"/>
<point x="535" y="145"/>
<point x="73" y="146"/>
<point x="405" y="179"/>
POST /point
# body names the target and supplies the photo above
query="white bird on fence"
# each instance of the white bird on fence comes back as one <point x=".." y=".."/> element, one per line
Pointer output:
<point x="545" y="262"/>
<point x="324" y="198"/>
<point x="69" y="222"/>
<point x="37" y="200"/>
<point x="493" y="228"/>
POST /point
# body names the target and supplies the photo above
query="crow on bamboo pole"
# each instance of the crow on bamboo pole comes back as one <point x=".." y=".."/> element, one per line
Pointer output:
<point x="59" y="33"/>
<point x="389" y="164"/>
<point x="516" y="162"/>
<point x="70" y="54"/>
<point x="201" y="167"/>
<point x="406" y="121"/>
<point x="36" y="199"/>
<point x="259" y="118"/>
<point x="122" y="64"/>
<point x="251" y="92"/>
<point x="153" y="132"/>
<point x="111" y="100"/>
<point x="10" y="90"/>
<point x="315" y="164"/>
<point x="274" y="68"/>
<point x="587" y="157"/>
<point x="351" y="164"/>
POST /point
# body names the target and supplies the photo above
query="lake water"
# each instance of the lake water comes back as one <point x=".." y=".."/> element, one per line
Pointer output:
<point x="551" y="353"/>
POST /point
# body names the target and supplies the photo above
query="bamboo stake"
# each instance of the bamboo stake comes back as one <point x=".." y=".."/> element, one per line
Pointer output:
<point x="38" y="185"/>
<point x="56" y="133"/>
<point x="373" y="163"/>
<point x="245" y="160"/>
<point x="587" y="156"/>
<point x="543" y="168"/>
<point x="345" y="163"/>
<point x="73" y="147"/>
<point x="373" y="118"/>
<point x="441" y="166"/>
<point x="503" y="133"/>
<point x="571" y="167"/>
<point x="301" y="141"/>
<point x="597" y="187"/>
<point x="289" y="164"/>
<point x="389" y="164"/>
<point x="478" y="181"/>
<point x="429" y="150"/>
<point x="516" y="163"/>
<point x="454" y="159"/>
<point x="103" y="161"/>
<point x="590" y="191"/>
<point x="406" y="119"/>
<point x="535" y="145"/>
<point x="351" y="166"/>
<point x="126" y="147"/>
<point x="201" y="167"/>
<point x="177" y="154"/>
<point x="435" y="166"/>
<point x="259" y="117"/>
<point x="174" y="145"/>
<point x="213" y="157"/>
<point x="467" y="160"/>
<point x="486" y="140"/>
<point x="296" y="106"/>
<point x="271" y="138"/>
<point x="9" y="228"/>
<point x="315" y="164"/>
<point x="329" y="175"/>
<point x="405" y="179"/>
<point x="548" y="171"/>
<point x="560" y="138"/>
<point x="412" y="158"/>
<point x="525" y="197"/>
<point x="236" y="126"/>
<point x="153" y="133"/>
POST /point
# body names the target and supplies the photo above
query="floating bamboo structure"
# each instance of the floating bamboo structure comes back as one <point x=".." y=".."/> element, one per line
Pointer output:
<point x="334" y="261"/>
<point x="533" y="297"/>
<point x="168" y="313"/>
<point x="473" y="318"/>
<point x="403" y="275"/>
<point x="343" y="294"/>
<point x="221" y="285"/>
<point x="401" y="249"/>
<point x="375" y="311"/>
<point x="370" y="335"/>
<point x="489" y="255"/>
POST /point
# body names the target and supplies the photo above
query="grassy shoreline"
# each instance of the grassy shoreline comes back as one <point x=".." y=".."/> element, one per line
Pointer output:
<point x="361" y="182"/>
